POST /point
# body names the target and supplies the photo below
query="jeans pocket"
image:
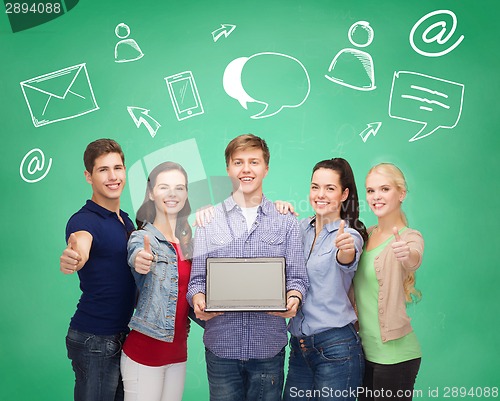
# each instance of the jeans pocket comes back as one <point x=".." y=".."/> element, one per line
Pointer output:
<point x="338" y="351"/>
<point x="113" y="347"/>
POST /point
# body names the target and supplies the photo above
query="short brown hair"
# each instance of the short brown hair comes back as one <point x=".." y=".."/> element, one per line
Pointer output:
<point x="244" y="142"/>
<point x="98" y="148"/>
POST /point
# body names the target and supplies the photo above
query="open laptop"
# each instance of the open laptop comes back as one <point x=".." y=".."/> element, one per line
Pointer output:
<point x="245" y="284"/>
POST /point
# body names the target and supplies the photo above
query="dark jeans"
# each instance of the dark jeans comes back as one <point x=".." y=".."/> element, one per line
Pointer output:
<point x="252" y="380"/>
<point x="328" y="365"/>
<point x="389" y="382"/>
<point x="96" y="363"/>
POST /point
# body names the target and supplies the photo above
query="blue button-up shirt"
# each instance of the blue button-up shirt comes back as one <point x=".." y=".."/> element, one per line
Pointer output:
<point x="248" y="335"/>
<point x="327" y="305"/>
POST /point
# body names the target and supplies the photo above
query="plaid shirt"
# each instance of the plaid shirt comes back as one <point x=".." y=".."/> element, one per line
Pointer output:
<point x="248" y="335"/>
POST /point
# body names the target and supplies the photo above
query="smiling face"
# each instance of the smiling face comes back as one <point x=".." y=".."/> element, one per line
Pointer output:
<point x="326" y="194"/>
<point x="383" y="195"/>
<point x="107" y="179"/>
<point x="247" y="169"/>
<point x="169" y="193"/>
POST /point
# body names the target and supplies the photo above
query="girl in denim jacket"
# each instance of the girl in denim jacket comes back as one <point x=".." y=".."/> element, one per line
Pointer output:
<point x="153" y="363"/>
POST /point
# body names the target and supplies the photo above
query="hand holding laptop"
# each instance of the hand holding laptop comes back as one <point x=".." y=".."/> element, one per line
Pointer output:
<point x="199" y="306"/>
<point x="293" y="303"/>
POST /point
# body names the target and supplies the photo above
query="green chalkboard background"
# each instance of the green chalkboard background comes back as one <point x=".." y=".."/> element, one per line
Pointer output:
<point x="452" y="173"/>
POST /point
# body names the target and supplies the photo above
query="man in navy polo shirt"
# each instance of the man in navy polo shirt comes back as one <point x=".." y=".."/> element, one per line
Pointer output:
<point x="97" y="238"/>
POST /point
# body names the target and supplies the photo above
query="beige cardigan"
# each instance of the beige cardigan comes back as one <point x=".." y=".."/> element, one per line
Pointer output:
<point x="393" y="319"/>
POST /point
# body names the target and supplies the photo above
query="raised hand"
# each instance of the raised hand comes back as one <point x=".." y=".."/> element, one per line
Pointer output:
<point x="345" y="244"/>
<point x="399" y="247"/>
<point x="144" y="258"/>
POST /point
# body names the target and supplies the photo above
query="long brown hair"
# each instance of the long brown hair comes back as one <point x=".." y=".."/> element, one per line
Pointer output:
<point x="147" y="211"/>
<point x="350" y="207"/>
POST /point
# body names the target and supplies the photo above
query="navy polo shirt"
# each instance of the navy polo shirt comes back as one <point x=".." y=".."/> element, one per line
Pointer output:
<point x="108" y="287"/>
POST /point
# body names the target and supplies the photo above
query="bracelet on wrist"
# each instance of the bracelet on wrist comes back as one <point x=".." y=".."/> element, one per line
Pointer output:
<point x="296" y="296"/>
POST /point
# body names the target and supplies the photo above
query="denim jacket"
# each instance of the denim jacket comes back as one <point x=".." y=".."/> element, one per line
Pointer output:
<point x="158" y="289"/>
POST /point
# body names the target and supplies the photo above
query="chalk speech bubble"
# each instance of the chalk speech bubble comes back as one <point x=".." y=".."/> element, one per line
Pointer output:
<point x="275" y="80"/>
<point x="434" y="102"/>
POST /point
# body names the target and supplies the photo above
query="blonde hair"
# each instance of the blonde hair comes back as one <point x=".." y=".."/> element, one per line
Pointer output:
<point x="397" y="177"/>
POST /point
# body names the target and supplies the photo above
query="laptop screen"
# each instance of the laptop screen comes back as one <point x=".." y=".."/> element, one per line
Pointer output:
<point x="245" y="284"/>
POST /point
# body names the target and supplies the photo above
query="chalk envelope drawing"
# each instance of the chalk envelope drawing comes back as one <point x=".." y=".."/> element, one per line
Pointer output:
<point x="184" y="95"/>
<point x="59" y="95"/>
<point x="288" y="87"/>
<point x="354" y="67"/>
<point x="434" y="102"/>
<point x="127" y="49"/>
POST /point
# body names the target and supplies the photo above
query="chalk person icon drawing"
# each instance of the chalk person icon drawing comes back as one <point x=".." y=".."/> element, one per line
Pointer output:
<point x="126" y="49"/>
<point x="354" y="67"/>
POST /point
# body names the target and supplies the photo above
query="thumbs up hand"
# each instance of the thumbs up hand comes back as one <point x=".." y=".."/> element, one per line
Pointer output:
<point x="70" y="258"/>
<point x="345" y="245"/>
<point x="144" y="258"/>
<point x="399" y="247"/>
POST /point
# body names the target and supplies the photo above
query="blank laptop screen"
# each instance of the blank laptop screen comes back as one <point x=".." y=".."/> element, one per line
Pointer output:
<point x="245" y="284"/>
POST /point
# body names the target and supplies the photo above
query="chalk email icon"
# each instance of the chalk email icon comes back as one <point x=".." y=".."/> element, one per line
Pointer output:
<point x="59" y="95"/>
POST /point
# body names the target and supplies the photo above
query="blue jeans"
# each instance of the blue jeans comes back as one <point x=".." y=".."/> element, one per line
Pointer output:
<point x="252" y="380"/>
<point x="96" y="363"/>
<point x="328" y="365"/>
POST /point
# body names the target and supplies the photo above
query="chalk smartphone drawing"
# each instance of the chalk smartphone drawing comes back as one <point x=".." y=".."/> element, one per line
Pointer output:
<point x="59" y="95"/>
<point x="184" y="95"/>
<point x="354" y="67"/>
<point x="287" y="84"/>
<point x="434" y="102"/>
<point x="126" y="50"/>
<point x="141" y="116"/>
<point x="225" y="30"/>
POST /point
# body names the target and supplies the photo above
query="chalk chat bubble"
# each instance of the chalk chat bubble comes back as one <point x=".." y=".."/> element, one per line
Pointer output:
<point x="274" y="80"/>
<point x="434" y="102"/>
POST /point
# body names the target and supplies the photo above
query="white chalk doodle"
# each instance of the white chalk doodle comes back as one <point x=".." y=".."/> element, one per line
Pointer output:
<point x="59" y="95"/>
<point x="127" y="49"/>
<point x="184" y="95"/>
<point x="436" y="33"/>
<point x="141" y="116"/>
<point x="282" y="90"/>
<point x="225" y="30"/>
<point x="371" y="129"/>
<point x="33" y="168"/>
<point x="353" y="67"/>
<point x="434" y="102"/>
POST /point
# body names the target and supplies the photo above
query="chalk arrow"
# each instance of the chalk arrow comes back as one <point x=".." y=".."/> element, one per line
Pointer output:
<point x="371" y="129"/>
<point x="225" y="30"/>
<point x="141" y="116"/>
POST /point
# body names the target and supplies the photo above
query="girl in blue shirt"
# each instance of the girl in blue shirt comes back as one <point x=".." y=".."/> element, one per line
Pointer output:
<point x="326" y="357"/>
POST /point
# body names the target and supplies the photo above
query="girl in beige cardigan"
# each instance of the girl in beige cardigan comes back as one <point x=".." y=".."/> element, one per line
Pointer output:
<point x="384" y="284"/>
